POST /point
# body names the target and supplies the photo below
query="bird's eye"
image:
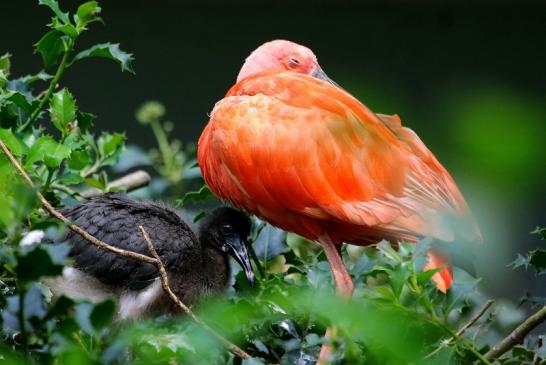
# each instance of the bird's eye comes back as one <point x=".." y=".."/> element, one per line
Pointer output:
<point x="293" y="62"/>
<point x="226" y="229"/>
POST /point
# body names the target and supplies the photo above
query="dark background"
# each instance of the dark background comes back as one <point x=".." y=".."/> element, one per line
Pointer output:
<point x="470" y="79"/>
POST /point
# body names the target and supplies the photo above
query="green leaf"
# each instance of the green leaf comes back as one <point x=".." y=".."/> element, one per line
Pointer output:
<point x="87" y="13"/>
<point x="66" y="28"/>
<point x="16" y="147"/>
<point x="85" y="120"/>
<point x="108" y="50"/>
<point x="270" y="243"/>
<point x="108" y="143"/>
<point x="37" y="263"/>
<point x="399" y="277"/>
<point x="95" y="183"/>
<point x="5" y="64"/>
<point x="21" y="101"/>
<point x="16" y="198"/>
<point x="102" y="314"/>
<point x="78" y="160"/>
<point x="53" y="5"/>
<point x="541" y="231"/>
<point x="51" y="46"/>
<point x="70" y="179"/>
<point x="424" y="276"/>
<point x="48" y="150"/>
<point x="386" y="249"/>
<point x="40" y="76"/>
<point x="537" y="258"/>
<point x="110" y="147"/>
<point x="3" y="78"/>
<point x="62" y="109"/>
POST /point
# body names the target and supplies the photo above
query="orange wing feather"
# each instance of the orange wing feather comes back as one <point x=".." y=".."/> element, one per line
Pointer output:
<point x="286" y="142"/>
<point x="308" y="157"/>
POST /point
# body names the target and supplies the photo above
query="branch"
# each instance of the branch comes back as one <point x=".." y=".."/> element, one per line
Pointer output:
<point x="136" y="256"/>
<point x="165" y="283"/>
<point x="517" y="335"/>
<point x="130" y="182"/>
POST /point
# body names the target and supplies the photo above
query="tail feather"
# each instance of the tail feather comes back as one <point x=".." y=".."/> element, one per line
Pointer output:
<point x="444" y="278"/>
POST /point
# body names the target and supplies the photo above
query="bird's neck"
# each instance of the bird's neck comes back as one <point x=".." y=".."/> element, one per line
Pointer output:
<point x="216" y="265"/>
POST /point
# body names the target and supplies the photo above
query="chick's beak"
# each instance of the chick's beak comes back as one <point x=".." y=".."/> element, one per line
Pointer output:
<point x="238" y="250"/>
<point x="321" y="75"/>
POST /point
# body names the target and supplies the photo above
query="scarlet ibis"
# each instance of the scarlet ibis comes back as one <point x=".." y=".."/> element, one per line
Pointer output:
<point x="289" y="145"/>
<point x="197" y="265"/>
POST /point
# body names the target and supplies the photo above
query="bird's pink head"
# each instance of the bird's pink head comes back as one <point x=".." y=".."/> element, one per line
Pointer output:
<point x="280" y="55"/>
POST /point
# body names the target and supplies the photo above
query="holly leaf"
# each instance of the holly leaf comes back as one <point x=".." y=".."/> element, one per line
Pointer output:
<point x="537" y="259"/>
<point x="110" y="147"/>
<point x="62" y="109"/>
<point x="50" y="46"/>
<point x="87" y="13"/>
<point x="270" y="243"/>
<point x="102" y="314"/>
<point x="3" y="78"/>
<point x="48" y="150"/>
<point x="53" y="5"/>
<point x="541" y="231"/>
<point x="16" y="147"/>
<point x="5" y="64"/>
<point x="110" y="51"/>
<point x="85" y="120"/>
<point x="38" y="262"/>
<point x="79" y="159"/>
<point x="66" y="28"/>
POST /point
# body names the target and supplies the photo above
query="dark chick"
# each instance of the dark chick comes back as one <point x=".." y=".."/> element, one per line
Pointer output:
<point x="197" y="264"/>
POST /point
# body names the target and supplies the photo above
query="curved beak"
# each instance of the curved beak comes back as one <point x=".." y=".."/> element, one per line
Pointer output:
<point x="321" y="75"/>
<point x="238" y="250"/>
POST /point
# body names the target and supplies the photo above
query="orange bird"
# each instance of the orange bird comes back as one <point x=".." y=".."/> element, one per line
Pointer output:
<point x="289" y="145"/>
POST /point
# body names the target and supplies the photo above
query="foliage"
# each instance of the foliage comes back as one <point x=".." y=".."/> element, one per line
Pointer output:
<point x="396" y="316"/>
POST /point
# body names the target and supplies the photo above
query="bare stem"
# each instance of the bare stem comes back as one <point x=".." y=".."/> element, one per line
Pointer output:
<point x="137" y="256"/>
<point x="50" y="89"/>
<point x="517" y="335"/>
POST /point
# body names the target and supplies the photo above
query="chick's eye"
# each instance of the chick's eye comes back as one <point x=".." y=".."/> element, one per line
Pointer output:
<point x="226" y="229"/>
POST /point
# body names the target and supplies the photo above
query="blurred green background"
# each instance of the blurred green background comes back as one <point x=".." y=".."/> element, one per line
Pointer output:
<point x="470" y="79"/>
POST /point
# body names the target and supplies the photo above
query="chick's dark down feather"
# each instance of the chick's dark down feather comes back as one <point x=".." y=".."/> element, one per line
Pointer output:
<point x="114" y="219"/>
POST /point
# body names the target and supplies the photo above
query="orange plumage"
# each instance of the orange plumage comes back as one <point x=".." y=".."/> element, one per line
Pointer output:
<point x="306" y="156"/>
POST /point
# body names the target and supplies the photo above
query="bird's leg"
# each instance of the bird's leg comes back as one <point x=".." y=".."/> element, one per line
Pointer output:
<point x="344" y="287"/>
<point x="344" y="283"/>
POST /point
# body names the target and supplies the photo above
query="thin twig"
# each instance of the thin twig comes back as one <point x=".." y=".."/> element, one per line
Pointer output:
<point x="461" y="330"/>
<point x="474" y="319"/>
<point x="129" y="182"/>
<point x="517" y="335"/>
<point x="165" y="283"/>
<point x="100" y="244"/>
<point x="55" y="213"/>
